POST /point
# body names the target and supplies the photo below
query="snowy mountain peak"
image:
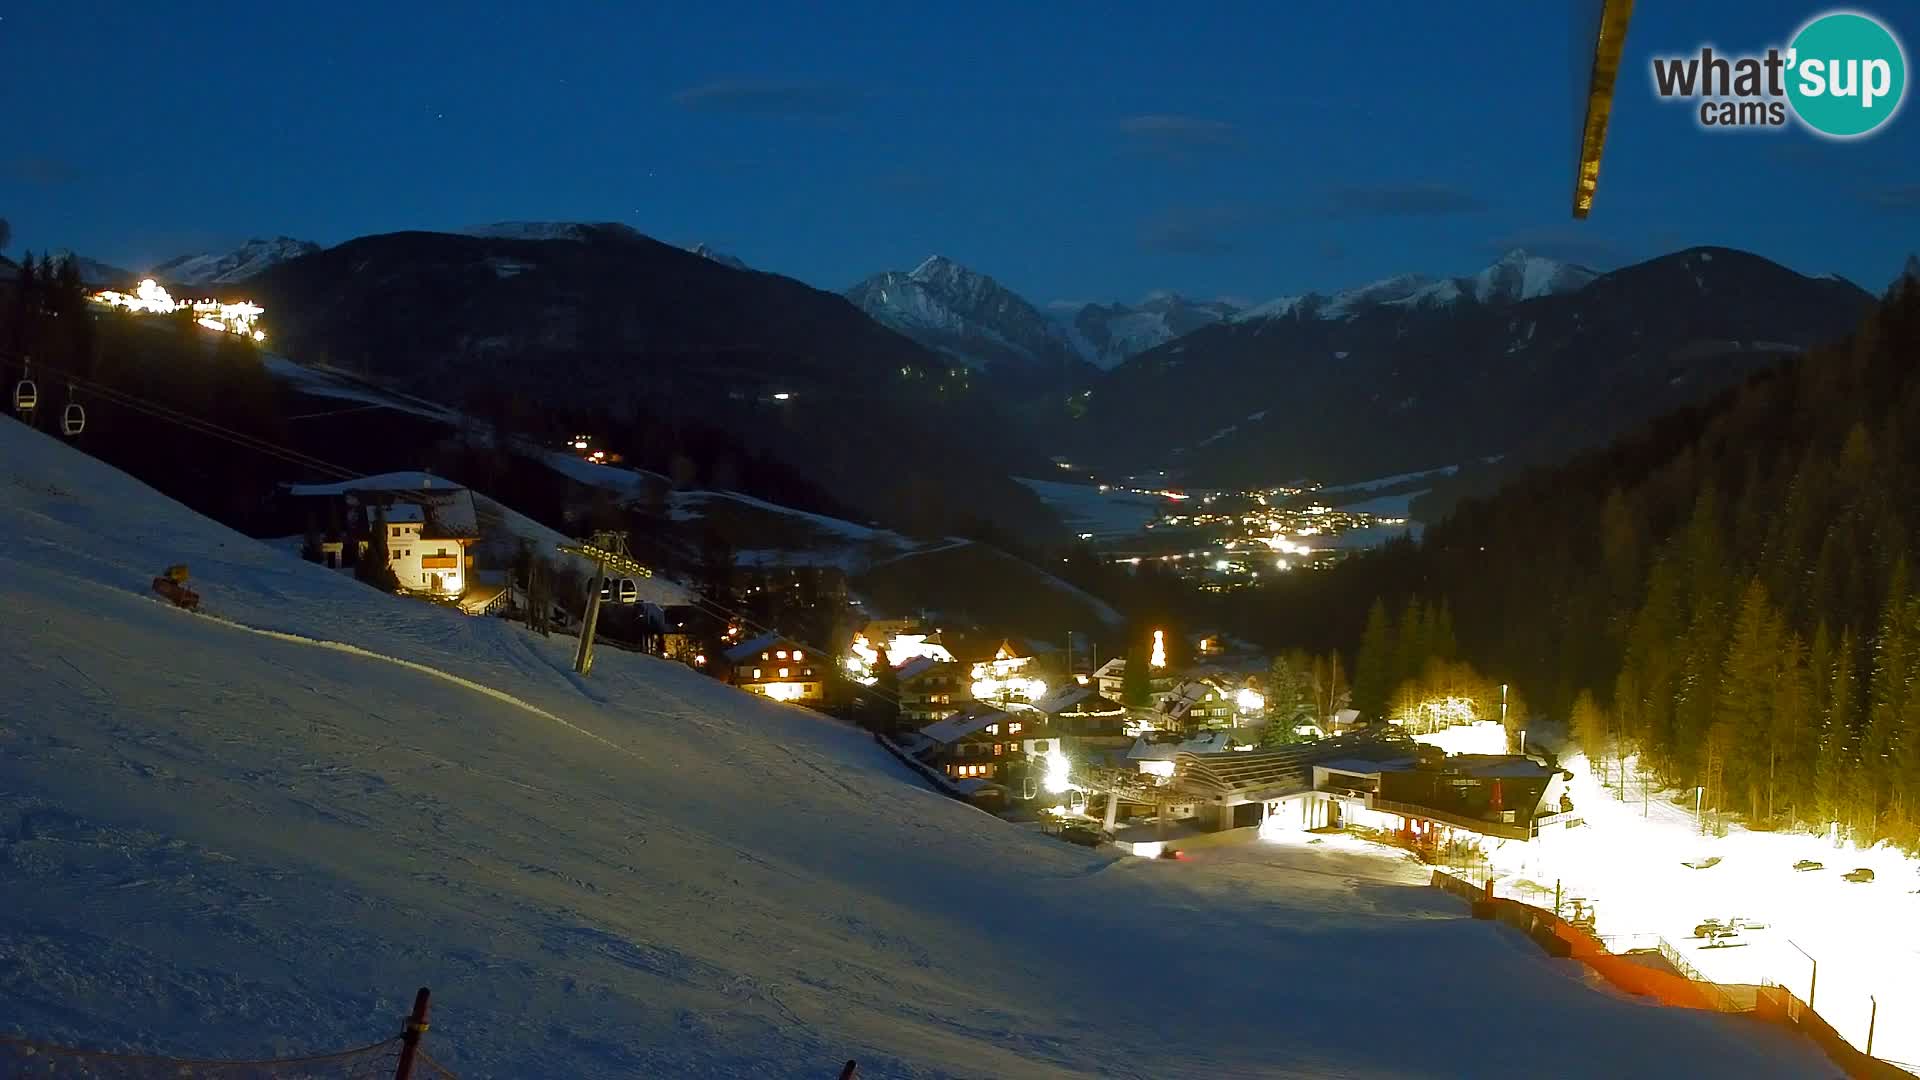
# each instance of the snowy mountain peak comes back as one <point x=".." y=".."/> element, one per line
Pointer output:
<point x="962" y="313"/>
<point x="1514" y="277"/>
<point x="721" y="257"/>
<point x="1107" y="335"/>
<point x="248" y="260"/>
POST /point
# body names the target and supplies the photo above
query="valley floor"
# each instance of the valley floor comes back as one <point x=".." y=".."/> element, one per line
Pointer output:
<point x="220" y="836"/>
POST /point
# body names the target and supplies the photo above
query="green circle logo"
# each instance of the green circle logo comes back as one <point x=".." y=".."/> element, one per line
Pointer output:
<point x="1847" y="74"/>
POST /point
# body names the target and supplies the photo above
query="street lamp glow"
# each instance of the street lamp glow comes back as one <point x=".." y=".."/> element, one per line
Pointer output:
<point x="1056" y="780"/>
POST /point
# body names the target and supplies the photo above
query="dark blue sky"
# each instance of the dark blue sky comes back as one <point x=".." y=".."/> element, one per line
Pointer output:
<point x="1074" y="151"/>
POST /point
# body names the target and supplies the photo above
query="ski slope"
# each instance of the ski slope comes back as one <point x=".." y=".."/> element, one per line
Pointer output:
<point x="255" y="831"/>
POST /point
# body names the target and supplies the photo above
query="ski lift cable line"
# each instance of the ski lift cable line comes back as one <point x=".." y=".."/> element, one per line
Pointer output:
<point x="206" y="427"/>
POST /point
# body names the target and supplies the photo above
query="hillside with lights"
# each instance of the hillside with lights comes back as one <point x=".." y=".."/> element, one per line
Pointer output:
<point x="314" y="797"/>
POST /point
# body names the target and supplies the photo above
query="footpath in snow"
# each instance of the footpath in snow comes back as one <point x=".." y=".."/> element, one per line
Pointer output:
<point x="216" y="841"/>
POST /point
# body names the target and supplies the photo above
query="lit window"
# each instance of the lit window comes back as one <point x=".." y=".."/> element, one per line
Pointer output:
<point x="993" y="729"/>
<point x="782" y="654"/>
<point x="756" y="673"/>
<point x="805" y="672"/>
<point x="1013" y="729"/>
<point x="783" y="673"/>
<point x="797" y="656"/>
<point x="763" y="656"/>
<point x="996" y="749"/>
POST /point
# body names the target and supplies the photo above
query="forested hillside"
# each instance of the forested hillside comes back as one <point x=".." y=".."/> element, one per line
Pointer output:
<point x="1732" y="589"/>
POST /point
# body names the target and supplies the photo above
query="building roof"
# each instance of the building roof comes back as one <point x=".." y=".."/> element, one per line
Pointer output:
<point x="972" y="718"/>
<point x="916" y="667"/>
<point x="405" y="513"/>
<point x="449" y="508"/>
<point x="1248" y="776"/>
<point x="753" y="647"/>
<point x="1076" y="700"/>
<point x="1207" y="742"/>
<point x="1112" y="669"/>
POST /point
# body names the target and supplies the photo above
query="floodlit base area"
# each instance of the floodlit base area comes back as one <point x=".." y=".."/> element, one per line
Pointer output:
<point x="1629" y="863"/>
<point x="220" y="836"/>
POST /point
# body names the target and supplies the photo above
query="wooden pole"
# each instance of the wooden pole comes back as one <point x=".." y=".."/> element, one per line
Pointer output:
<point x="410" y="1035"/>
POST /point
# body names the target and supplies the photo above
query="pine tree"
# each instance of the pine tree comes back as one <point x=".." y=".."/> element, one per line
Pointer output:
<point x="1589" y="725"/>
<point x="1136" y="683"/>
<point x="1442" y="645"/>
<point x="1411" y="644"/>
<point x="1743" y="706"/>
<point x="1373" y="673"/>
<point x="884" y="702"/>
<point x="1286" y="696"/>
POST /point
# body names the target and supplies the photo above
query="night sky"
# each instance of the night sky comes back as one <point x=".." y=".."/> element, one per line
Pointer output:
<point x="1074" y="151"/>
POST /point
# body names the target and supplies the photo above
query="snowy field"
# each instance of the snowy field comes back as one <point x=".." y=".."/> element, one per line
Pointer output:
<point x="1107" y="515"/>
<point x="221" y="835"/>
<point x="1630" y="859"/>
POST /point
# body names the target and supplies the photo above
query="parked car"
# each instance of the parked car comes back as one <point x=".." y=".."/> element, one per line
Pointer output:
<point x="1859" y="876"/>
<point x="1808" y="864"/>
<point x="1703" y="864"/>
<point x="1708" y="928"/>
<point x="1080" y="834"/>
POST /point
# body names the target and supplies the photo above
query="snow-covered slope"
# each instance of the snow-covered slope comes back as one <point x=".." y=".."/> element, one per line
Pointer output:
<point x="233" y="267"/>
<point x="720" y="257"/>
<point x="964" y="314"/>
<point x="1514" y="277"/>
<point x="220" y="835"/>
<point x="1106" y="335"/>
<point x="93" y="272"/>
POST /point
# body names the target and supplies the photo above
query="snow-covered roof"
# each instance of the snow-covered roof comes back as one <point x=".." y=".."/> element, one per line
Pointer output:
<point x="1209" y="742"/>
<point x="1112" y="669"/>
<point x="973" y="718"/>
<point x="405" y="514"/>
<point x="751" y="648"/>
<point x="1076" y="699"/>
<point x="916" y="667"/>
<point x="393" y="481"/>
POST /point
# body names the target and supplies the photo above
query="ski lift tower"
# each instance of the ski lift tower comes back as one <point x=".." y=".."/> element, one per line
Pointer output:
<point x="607" y="551"/>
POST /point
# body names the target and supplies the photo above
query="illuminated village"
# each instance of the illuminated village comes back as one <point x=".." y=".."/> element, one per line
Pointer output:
<point x="149" y="298"/>
<point x="1222" y="541"/>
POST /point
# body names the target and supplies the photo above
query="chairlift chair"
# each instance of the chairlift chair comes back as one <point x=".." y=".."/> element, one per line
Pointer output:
<point x="73" y="419"/>
<point x="629" y="591"/>
<point x="25" y="396"/>
<point x="606" y="591"/>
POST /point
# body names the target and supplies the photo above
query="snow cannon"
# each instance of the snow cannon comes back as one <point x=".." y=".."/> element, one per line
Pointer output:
<point x="173" y="586"/>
